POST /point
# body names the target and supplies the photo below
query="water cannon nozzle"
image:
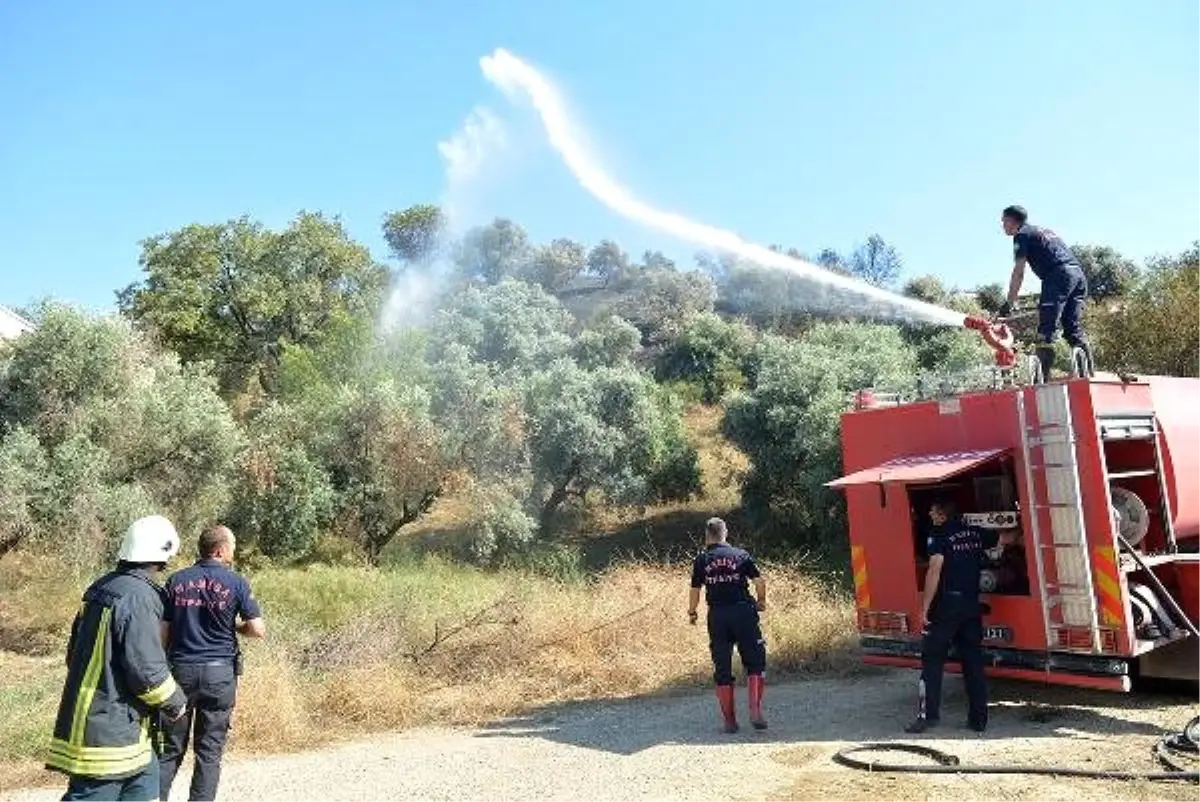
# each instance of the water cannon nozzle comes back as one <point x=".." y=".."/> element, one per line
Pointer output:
<point x="977" y="323"/>
<point x="999" y="338"/>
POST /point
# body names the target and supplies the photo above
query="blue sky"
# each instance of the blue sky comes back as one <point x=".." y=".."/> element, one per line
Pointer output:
<point x="801" y="123"/>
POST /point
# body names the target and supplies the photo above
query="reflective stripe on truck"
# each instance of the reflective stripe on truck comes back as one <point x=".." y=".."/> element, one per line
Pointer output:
<point x="1108" y="586"/>
<point x="862" y="590"/>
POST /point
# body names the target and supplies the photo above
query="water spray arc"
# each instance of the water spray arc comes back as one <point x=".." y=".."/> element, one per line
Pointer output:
<point x="516" y="78"/>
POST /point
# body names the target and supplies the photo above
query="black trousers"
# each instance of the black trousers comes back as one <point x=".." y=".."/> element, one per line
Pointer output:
<point x="1064" y="295"/>
<point x="735" y="625"/>
<point x="141" y="787"/>
<point x="211" y="690"/>
<point x="961" y="624"/>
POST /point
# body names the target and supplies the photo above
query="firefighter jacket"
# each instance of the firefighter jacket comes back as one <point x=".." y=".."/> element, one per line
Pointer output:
<point x="117" y="679"/>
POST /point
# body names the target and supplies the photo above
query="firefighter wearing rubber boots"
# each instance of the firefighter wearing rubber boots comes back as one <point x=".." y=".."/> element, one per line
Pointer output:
<point x="1064" y="286"/>
<point x="951" y="614"/>
<point x="724" y="572"/>
<point x="117" y="675"/>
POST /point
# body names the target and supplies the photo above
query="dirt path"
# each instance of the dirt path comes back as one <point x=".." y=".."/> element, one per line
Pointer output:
<point x="669" y="748"/>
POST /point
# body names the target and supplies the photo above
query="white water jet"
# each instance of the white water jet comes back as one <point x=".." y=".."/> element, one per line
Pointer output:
<point x="514" y="77"/>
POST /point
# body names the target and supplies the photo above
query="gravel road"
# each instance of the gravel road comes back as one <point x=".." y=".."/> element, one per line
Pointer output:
<point x="670" y="748"/>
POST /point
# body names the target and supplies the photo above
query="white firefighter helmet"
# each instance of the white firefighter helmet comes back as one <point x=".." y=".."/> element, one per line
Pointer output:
<point x="152" y="539"/>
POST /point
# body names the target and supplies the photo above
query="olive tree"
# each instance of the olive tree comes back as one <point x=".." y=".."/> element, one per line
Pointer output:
<point x="789" y="423"/>
<point x="98" y="427"/>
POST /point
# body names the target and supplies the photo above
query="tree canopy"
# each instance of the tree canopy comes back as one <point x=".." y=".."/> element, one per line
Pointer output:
<point x="255" y="376"/>
<point x="234" y="294"/>
<point x="98" y="427"/>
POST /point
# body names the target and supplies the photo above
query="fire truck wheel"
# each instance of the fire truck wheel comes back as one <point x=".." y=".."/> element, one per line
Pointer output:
<point x="988" y="581"/>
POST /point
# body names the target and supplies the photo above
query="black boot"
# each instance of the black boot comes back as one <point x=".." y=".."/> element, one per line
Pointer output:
<point x="920" y="724"/>
<point x="1046" y="357"/>
<point x="1086" y="347"/>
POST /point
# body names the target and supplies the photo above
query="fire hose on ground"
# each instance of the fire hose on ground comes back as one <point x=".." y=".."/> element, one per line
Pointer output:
<point x="1180" y="744"/>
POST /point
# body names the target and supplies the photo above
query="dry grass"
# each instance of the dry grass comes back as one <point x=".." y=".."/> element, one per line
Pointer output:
<point x="353" y="649"/>
<point x="29" y="690"/>
<point x="37" y="604"/>
<point x="356" y="650"/>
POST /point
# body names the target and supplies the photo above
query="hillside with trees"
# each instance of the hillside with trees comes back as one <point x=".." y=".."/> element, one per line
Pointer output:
<point x="258" y="376"/>
<point x="462" y="479"/>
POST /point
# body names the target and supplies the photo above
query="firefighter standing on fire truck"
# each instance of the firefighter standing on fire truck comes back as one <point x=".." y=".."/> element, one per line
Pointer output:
<point x="1064" y="285"/>
<point x="725" y="573"/>
<point x="951" y="613"/>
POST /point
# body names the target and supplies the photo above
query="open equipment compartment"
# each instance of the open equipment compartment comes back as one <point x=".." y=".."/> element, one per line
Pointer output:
<point x="983" y="497"/>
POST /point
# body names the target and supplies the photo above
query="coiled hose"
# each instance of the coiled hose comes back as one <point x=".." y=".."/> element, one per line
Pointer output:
<point x="1181" y="743"/>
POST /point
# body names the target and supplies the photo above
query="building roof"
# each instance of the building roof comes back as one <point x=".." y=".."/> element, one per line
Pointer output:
<point x="12" y="325"/>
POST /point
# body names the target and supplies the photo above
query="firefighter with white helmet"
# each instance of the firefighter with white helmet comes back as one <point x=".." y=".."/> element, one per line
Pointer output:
<point x="117" y="674"/>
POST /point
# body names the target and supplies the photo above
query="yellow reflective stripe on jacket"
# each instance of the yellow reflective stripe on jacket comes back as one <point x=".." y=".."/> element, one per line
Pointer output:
<point x="160" y="692"/>
<point x="99" y="761"/>
<point x="91" y="677"/>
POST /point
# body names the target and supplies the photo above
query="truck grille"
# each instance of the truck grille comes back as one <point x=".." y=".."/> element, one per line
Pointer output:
<point x="1079" y="639"/>
<point x="877" y="622"/>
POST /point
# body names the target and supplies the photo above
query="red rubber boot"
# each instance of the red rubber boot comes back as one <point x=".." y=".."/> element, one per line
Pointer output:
<point x="728" y="712"/>
<point x="756" y="684"/>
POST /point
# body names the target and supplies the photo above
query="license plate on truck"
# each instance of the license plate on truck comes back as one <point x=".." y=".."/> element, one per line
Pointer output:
<point x="999" y="633"/>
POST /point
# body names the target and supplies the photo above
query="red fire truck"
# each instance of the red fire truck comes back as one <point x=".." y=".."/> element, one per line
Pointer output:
<point x="1099" y="476"/>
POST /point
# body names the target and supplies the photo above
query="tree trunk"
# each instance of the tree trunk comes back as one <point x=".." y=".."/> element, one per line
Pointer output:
<point x="379" y="540"/>
<point x="374" y="548"/>
<point x="558" y="495"/>
<point x="10" y="542"/>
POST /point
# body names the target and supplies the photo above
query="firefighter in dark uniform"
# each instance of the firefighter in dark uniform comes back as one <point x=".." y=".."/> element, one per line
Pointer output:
<point x="951" y="614"/>
<point x="725" y="573"/>
<point x="117" y="675"/>
<point x="1064" y="285"/>
<point x="204" y="603"/>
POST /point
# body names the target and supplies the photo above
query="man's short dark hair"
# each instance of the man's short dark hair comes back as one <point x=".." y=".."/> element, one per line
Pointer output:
<point x="1016" y="213"/>
<point x="715" y="528"/>
<point x="945" y="505"/>
<point x="212" y="539"/>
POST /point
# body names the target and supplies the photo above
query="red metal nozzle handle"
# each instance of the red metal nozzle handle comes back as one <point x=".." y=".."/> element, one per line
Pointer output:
<point x="998" y="336"/>
<point x="977" y="323"/>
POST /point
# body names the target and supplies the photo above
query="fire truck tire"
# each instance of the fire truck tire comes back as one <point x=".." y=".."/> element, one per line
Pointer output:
<point x="988" y="581"/>
<point x="1133" y="516"/>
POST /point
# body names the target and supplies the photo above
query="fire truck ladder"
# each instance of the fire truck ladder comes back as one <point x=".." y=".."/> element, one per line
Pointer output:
<point x="1143" y="427"/>
<point x="1063" y="565"/>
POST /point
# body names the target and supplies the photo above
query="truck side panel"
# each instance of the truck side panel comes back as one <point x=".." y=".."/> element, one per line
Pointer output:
<point x="881" y="516"/>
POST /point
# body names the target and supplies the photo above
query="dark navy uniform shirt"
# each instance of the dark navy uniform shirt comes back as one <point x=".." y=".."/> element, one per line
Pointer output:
<point x="724" y="572"/>
<point x="204" y="601"/>
<point x="1043" y="250"/>
<point x="962" y="550"/>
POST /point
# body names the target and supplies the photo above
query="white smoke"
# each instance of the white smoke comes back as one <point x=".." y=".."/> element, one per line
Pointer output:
<point x="516" y="78"/>
<point x="467" y="156"/>
<point x="413" y="297"/>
